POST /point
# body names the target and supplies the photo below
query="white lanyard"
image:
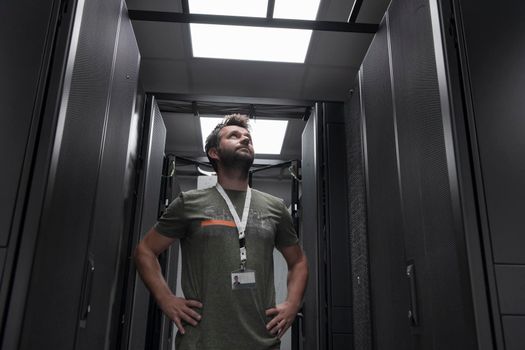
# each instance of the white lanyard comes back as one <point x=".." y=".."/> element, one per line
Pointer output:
<point x="240" y="223"/>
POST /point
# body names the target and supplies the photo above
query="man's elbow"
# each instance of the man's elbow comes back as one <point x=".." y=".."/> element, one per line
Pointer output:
<point x="141" y="252"/>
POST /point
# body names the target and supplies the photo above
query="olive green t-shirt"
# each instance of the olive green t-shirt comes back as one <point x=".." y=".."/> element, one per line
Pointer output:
<point x="231" y="319"/>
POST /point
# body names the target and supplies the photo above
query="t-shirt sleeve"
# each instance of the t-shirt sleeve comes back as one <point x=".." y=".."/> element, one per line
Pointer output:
<point x="173" y="223"/>
<point x="286" y="235"/>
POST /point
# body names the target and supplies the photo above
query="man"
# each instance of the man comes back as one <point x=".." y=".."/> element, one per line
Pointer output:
<point x="227" y="233"/>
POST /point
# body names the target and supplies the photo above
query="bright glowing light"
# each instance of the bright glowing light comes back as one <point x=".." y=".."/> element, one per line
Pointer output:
<point x="267" y="135"/>
<point x="296" y="9"/>
<point x="249" y="43"/>
<point x="247" y="8"/>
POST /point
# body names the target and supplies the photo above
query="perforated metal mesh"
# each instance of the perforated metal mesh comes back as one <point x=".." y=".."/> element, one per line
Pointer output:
<point x="357" y="213"/>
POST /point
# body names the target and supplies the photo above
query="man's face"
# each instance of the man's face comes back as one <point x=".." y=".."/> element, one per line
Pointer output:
<point x="235" y="147"/>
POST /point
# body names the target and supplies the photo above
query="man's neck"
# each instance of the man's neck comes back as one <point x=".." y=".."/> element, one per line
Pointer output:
<point x="233" y="180"/>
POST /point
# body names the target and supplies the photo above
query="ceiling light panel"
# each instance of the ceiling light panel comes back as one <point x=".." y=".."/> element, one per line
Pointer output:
<point x="267" y="135"/>
<point x="296" y="9"/>
<point x="246" y="8"/>
<point x="249" y="43"/>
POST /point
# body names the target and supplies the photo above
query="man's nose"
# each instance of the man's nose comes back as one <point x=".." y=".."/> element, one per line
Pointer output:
<point x="245" y="140"/>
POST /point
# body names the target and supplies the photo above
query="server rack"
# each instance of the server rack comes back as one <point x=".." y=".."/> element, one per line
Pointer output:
<point x="64" y="267"/>
<point x="439" y="179"/>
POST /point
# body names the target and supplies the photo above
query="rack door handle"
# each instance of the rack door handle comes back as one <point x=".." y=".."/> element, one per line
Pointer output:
<point x="86" y="291"/>
<point x="412" y="309"/>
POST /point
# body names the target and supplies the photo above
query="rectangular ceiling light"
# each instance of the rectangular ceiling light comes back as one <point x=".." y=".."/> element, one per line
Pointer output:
<point x="249" y="43"/>
<point x="267" y="135"/>
<point x="252" y="43"/>
<point x="245" y="8"/>
<point x="296" y="9"/>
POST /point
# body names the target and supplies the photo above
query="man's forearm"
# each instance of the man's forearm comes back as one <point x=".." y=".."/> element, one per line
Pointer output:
<point x="149" y="270"/>
<point x="297" y="278"/>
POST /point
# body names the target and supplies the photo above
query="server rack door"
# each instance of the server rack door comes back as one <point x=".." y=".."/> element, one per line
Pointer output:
<point x="112" y="215"/>
<point x="141" y="327"/>
<point x="312" y="234"/>
<point x="388" y="283"/>
<point x="57" y="277"/>
<point x="339" y="272"/>
<point x="23" y="68"/>
<point x="358" y="221"/>
<point x="434" y="236"/>
<point x="26" y="42"/>
<point x="493" y="80"/>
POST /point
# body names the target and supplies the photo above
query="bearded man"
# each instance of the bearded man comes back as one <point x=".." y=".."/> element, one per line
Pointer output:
<point x="227" y="235"/>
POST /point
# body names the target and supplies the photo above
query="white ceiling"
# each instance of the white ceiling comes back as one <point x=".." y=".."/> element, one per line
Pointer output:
<point x="328" y="73"/>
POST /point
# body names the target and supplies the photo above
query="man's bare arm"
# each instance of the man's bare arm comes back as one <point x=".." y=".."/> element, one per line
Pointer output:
<point x="297" y="277"/>
<point x="146" y="260"/>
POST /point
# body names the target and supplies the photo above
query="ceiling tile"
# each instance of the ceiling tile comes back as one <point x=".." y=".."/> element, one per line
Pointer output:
<point x="164" y="75"/>
<point x="292" y="141"/>
<point x="372" y="11"/>
<point x="328" y="83"/>
<point x="155" y="5"/>
<point x="160" y="40"/>
<point x="183" y="134"/>
<point x="335" y="10"/>
<point x="246" y="78"/>
<point x="338" y="49"/>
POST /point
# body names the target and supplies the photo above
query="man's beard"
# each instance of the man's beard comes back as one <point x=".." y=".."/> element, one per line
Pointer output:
<point x="231" y="159"/>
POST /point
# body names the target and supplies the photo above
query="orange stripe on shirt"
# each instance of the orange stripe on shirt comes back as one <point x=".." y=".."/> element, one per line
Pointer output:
<point x="228" y="223"/>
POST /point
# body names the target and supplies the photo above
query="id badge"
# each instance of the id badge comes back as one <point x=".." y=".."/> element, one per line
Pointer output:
<point x="243" y="279"/>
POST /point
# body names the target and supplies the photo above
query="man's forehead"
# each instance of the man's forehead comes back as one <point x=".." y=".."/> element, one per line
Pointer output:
<point x="230" y="128"/>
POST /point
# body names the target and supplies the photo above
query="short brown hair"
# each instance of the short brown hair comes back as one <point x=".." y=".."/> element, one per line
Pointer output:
<point x="212" y="140"/>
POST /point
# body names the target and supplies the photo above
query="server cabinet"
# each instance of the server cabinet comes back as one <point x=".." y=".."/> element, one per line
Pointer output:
<point x="312" y="234"/>
<point x="419" y="252"/>
<point x="387" y="259"/>
<point x="26" y="46"/>
<point x="338" y="246"/>
<point x="490" y="79"/>
<point x="59" y="250"/>
<point x="362" y="338"/>
<point x="112" y="213"/>
<point x="143" y="321"/>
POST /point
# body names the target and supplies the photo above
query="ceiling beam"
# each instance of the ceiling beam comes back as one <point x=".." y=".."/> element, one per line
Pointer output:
<point x="176" y="17"/>
<point x="271" y="6"/>
<point x="185" y="6"/>
<point x="355" y="11"/>
<point x="231" y="99"/>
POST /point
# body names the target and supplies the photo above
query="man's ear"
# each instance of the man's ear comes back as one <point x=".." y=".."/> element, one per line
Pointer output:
<point x="213" y="153"/>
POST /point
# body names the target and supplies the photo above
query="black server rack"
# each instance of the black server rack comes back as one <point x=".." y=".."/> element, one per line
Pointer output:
<point x="443" y="162"/>
<point x="311" y="233"/>
<point x="357" y="215"/>
<point x="64" y="280"/>
<point x="143" y="317"/>
<point x="387" y="259"/>
<point x="422" y="289"/>
<point x="327" y="311"/>
<point x="338" y="246"/>
<point x="487" y="80"/>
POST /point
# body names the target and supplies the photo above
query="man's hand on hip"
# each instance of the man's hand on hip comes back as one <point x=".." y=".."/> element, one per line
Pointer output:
<point x="284" y="315"/>
<point x="179" y="309"/>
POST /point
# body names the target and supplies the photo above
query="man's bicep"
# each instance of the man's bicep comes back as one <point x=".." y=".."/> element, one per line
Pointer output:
<point x="292" y="254"/>
<point x="157" y="242"/>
